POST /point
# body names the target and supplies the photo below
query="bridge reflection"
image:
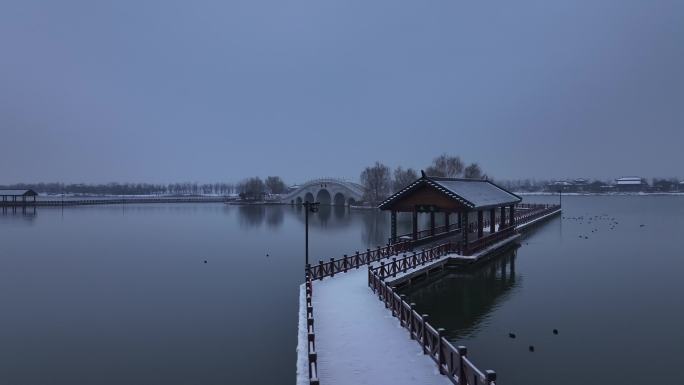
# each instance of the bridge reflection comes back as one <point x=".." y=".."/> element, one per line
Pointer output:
<point x="373" y="224"/>
<point x="460" y="301"/>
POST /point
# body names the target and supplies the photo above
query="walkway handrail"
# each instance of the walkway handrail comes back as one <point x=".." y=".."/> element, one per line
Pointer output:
<point x="401" y="265"/>
<point x="342" y="265"/>
<point x="528" y="217"/>
<point x="451" y="361"/>
<point x="311" y="334"/>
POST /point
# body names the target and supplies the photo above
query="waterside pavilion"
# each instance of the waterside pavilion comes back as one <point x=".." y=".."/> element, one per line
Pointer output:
<point x="477" y="204"/>
<point x="9" y="197"/>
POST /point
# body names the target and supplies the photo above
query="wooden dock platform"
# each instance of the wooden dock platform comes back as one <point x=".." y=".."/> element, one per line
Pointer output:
<point x="347" y="336"/>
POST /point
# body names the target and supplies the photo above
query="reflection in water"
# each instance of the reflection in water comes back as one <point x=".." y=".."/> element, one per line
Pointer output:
<point x="461" y="301"/>
<point x="375" y="228"/>
<point x="275" y="216"/>
<point x="251" y="215"/>
<point x="27" y="213"/>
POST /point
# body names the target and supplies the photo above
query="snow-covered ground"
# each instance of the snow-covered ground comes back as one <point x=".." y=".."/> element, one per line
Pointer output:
<point x="358" y="341"/>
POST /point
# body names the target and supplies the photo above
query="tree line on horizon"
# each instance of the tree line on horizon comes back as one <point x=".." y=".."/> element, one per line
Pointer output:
<point x="250" y="188"/>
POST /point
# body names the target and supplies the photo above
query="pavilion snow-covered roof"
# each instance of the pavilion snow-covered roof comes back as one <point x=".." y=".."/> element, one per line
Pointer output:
<point x="17" y="193"/>
<point x="472" y="193"/>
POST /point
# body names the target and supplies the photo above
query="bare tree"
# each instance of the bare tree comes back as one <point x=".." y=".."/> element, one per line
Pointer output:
<point x="275" y="185"/>
<point x="403" y="178"/>
<point x="473" y="171"/>
<point x="445" y="166"/>
<point x="252" y="189"/>
<point x="377" y="180"/>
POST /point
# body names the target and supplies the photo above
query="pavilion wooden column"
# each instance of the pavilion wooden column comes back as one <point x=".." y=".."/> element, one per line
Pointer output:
<point x="394" y="226"/>
<point x="511" y="218"/>
<point x="432" y="223"/>
<point x="502" y="219"/>
<point x="446" y="221"/>
<point x="492" y="221"/>
<point x="480" y="223"/>
<point x="415" y="225"/>
<point x="460" y="220"/>
<point x="464" y="221"/>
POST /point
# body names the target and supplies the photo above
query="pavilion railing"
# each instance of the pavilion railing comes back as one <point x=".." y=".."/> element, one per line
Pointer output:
<point x="451" y="361"/>
<point x="489" y="240"/>
<point x="423" y="234"/>
<point x="344" y="264"/>
<point x="527" y="210"/>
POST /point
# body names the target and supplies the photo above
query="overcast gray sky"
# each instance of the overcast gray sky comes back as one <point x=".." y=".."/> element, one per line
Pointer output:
<point x="162" y="91"/>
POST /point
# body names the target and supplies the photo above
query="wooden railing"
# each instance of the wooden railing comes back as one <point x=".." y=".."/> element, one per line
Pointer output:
<point x="401" y="265"/>
<point x="451" y="361"/>
<point x="534" y="213"/>
<point x="423" y="234"/>
<point x="529" y="211"/>
<point x="489" y="240"/>
<point x="344" y="264"/>
<point x="311" y="334"/>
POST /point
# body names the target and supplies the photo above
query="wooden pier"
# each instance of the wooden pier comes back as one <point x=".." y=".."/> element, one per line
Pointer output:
<point x="335" y="330"/>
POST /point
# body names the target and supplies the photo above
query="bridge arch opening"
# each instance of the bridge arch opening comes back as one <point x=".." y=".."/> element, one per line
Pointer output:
<point x="351" y="201"/>
<point x="339" y="199"/>
<point x="323" y="197"/>
<point x="299" y="200"/>
<point x="309" y="197"/>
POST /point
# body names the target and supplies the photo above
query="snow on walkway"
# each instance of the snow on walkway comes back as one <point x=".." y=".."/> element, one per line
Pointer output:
<point x="358" y="341"/>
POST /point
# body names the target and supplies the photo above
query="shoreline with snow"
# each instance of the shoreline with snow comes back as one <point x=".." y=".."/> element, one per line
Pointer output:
<point x="541" y="193"/>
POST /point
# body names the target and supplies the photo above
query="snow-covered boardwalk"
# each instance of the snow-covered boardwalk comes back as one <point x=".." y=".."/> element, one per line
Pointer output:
<point x="358" y="341"/>
<point x="349" y="335"/>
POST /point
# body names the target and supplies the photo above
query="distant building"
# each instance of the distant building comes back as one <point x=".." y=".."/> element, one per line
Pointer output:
<point x="577" y="185"/>
<point x="630" y="183"/>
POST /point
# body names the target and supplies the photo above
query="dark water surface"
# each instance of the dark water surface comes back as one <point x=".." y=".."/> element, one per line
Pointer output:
<point x="616" y="297"/>
<point x="121" y="295"/>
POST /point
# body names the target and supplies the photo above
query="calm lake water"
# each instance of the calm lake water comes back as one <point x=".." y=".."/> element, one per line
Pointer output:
<point x="607" y="276"/>
<point x="121" y="295"/>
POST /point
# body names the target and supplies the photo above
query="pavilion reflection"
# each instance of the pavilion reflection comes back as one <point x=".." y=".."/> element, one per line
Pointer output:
<point x="461" y="300"/>
<point x="18" y="212"/>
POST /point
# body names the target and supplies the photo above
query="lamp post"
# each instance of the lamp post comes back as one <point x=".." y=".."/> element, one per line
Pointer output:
<point x="308" y="207"/>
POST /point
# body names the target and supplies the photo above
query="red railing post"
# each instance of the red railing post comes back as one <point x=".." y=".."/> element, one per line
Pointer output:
<point x="490" y="377"/>
<point x="440" y="355"/>
<point x="424" y="342"/>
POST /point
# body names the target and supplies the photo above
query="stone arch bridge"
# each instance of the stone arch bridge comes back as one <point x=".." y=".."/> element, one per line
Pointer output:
<point x="327" y="191"/>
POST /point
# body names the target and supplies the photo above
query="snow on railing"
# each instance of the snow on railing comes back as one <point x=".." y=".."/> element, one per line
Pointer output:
<point x="311" y="334"/>
<point x="344" y="264"/>
<point x="401" y="265"/>
<point x="451" y="361"/>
